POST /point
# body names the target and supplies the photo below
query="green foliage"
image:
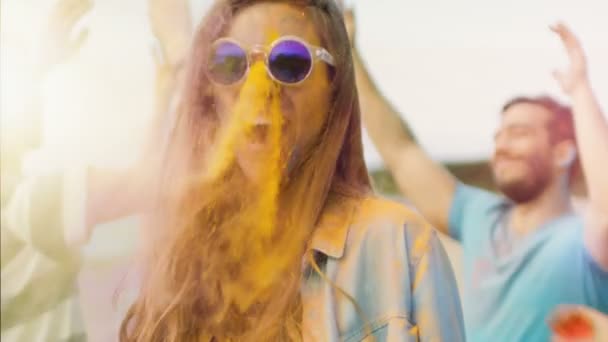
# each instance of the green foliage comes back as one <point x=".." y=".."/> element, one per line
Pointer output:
<point x="477" y="173"/>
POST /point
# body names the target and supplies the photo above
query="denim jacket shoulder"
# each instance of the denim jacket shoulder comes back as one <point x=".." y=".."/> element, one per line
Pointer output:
<point x="386" y="276"/>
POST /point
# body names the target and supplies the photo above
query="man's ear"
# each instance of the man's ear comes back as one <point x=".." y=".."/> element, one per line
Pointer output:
<point x="566" y="154"/>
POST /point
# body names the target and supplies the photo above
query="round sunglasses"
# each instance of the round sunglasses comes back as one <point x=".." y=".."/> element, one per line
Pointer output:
<point x="289" y="60"/>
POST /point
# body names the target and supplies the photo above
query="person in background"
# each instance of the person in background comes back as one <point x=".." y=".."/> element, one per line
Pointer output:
<point x="525" y="252"/>
<point x="47" y="215"/>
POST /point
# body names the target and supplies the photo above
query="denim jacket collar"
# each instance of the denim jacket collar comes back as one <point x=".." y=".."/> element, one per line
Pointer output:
<point x="332" y="232"/>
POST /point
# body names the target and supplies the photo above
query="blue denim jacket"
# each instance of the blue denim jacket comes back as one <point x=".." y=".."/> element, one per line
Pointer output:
<point x="386" y="277"/>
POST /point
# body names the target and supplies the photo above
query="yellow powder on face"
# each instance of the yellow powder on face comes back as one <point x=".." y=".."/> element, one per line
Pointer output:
<point x="254" y="246"/>
<point x="259" y="96"/>
<point x="260" y="267"/>
<point x="255" y="94"/>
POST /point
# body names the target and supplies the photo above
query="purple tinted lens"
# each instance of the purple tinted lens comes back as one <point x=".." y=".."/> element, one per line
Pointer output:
<point x="227" y="63"/>
<point x="290" y="61"/>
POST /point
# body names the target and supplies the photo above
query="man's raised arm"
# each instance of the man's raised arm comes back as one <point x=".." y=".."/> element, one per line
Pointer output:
<point x="426" y="183"/>
<point x="592" y="137"/>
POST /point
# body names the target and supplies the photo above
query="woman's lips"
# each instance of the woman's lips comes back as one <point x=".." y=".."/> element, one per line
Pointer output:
<point x="259" y="134"/>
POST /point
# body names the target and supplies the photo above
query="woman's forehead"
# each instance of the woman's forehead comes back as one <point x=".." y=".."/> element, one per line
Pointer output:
<point x="263" y="22"/>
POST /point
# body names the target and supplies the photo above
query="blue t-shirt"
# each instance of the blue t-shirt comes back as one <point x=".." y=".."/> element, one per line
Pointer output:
<point x="512" y="285"/>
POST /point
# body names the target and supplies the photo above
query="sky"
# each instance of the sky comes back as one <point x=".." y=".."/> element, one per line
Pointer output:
<point x="447" y="66"/>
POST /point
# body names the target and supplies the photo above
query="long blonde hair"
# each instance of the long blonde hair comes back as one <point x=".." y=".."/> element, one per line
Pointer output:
<point x="191" y="286"/>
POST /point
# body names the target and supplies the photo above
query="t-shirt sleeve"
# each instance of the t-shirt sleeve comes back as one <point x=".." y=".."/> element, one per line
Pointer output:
<point x="469" y="207"/>
<point x="575" y="264"/>
<point x="595" y="282"/>
<point x="46" y="212"/>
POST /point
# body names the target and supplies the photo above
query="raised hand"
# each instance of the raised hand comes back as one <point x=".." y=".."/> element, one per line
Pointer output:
<point x="575" y="75"/>
<point x="171" y="24"/>
<point x="57" y="42"/>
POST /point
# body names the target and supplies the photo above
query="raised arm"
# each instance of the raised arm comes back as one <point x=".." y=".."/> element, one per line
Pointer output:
<point x="22" y="131"/>
<point x="64" y="205"/>
<point x="592" y="137"/>
<point x="133" y="190"/>
<point x="423" y="181"/>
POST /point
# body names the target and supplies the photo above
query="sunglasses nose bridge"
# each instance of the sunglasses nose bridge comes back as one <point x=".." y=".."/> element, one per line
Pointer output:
<point x="257" y="52"/>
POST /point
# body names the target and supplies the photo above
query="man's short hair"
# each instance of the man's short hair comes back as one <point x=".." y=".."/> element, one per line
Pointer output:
<point x="561" y="126"/>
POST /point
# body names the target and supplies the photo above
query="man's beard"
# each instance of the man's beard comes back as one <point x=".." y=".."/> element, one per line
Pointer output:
<point x="530" y="186"/>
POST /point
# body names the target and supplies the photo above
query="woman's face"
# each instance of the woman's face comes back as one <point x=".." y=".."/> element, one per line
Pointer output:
<point x="303" y="107"/>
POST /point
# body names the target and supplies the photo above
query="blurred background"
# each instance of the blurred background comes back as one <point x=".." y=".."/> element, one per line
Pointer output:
<point x="448" y="66"/>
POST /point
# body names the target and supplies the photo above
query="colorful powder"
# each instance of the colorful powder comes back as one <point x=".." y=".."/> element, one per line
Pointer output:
<point x="259" y="96"/>
<point x="257" y="91"/>
<point x="261" y="252"/>
<point x="573" y="327"/>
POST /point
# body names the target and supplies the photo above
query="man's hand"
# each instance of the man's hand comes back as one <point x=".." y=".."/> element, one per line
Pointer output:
<point x="57" y="42"/>
<point x="591" y="130"/>
<point x="575" y="75"/>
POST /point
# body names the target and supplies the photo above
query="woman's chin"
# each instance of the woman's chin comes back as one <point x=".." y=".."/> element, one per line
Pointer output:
<point x="257" y="167"/>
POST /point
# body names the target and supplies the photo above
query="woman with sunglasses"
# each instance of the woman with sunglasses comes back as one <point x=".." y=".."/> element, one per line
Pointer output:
<point x="330" y="262"/>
